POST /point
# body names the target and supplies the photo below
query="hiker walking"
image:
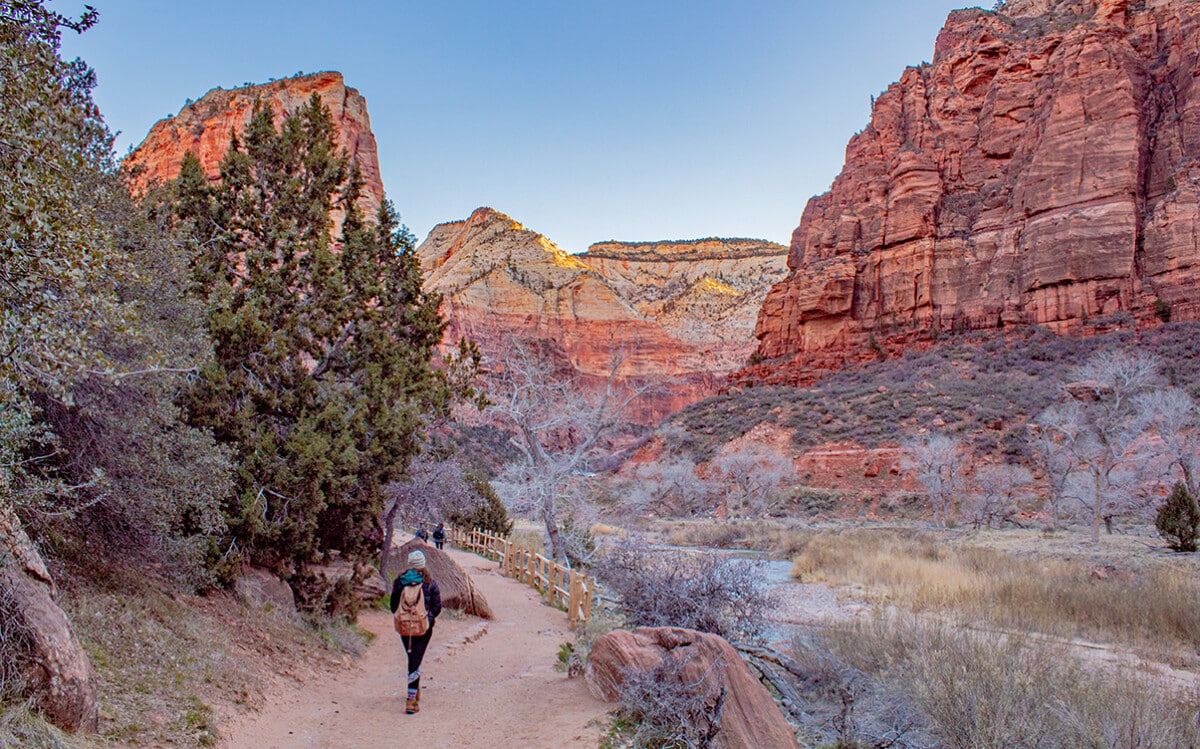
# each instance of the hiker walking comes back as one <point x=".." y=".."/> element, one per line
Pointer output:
<point x="422" y="533"/>
<point x="416" y="602"/>
<point x="439" y="536"/>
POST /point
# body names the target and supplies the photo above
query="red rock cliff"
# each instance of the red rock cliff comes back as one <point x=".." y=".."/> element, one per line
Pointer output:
<point x="680" y="313"/>
<point x="1043" y="169"/>
<point x="203" y="127"/>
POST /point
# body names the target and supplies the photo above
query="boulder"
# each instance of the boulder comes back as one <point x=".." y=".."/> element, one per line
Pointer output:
<point x="58" y="675"/>
<point x="258" y="586"/>
<point x="458" y="590"/>
<point x="750" y="718"/>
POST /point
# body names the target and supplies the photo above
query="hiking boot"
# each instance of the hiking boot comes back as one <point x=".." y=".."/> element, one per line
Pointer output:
<point x="416" y="706"/>
<point x="411" y="704"/>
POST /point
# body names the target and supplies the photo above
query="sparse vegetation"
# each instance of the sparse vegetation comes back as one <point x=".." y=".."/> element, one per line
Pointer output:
<point x="1146" y="607"/>
<point x="665" y="708"/>
<point x="964" y="689"/>
<point x="672" y="588"/>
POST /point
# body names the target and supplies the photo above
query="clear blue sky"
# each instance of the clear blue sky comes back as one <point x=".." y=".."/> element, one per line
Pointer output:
<point x="630" y="120"/>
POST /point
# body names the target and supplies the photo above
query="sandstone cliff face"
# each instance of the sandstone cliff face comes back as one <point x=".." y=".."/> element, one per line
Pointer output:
<point x="681" y="314"/>
<point x="203" y="127"/>
<point x="1043" y="169"/>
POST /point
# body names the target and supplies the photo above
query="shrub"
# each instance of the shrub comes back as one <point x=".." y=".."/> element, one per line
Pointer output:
<point x="666" y="710"/>
<point x="670" y="588"/>
<point x="1178" y="521"/>
<point x="488" y="514"/>
<point x="979" y="690"/>
<point x="1162" y="310"/>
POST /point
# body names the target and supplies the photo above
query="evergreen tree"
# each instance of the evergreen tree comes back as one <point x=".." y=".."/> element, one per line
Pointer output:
<point x="322" y="375"/>
<point x="1177" y="520"/>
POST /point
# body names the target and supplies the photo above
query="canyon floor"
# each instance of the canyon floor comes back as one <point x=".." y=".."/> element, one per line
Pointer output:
<point x="484" y="684"/>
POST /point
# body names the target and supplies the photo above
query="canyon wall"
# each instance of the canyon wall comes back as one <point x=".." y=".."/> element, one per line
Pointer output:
<point x="680" y="314"/>
<point x="204" y="128"/>
<point x="1044" y="169"/>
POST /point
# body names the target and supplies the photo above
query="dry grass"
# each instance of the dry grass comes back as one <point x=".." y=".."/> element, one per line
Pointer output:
<point x="1152" y="604"/>
<point x="981" y="691"/>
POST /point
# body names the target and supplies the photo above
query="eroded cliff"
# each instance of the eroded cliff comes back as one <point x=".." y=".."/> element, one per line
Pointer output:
<point x="204" y="128"/>
<point x="680" y="314"/>
<point x="1043" y="169"/>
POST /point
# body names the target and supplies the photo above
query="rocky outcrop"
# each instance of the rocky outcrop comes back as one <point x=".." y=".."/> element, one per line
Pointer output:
<point x="58" y="675"/>
<point x="680" y="314"/>
<point x="1043" y="169"/>
<point x="204" y="128"/>
<point x="457" y="589"/>
<point x="749" y="717"/>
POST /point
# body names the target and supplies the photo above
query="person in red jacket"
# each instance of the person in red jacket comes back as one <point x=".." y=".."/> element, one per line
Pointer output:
<point x="417" y="574"/>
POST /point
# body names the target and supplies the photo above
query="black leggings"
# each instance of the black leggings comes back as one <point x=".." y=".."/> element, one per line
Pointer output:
<point x="415" y="647"/>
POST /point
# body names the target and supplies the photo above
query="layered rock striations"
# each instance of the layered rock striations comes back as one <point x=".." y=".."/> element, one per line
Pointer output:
<point x="1043" y="169"/>
<point x="680" y="315"/>
<point x="204" y="128"/>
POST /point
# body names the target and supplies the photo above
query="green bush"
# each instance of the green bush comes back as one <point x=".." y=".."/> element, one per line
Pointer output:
<point x="489" y="514"/>
<point x="1178" y="521"/>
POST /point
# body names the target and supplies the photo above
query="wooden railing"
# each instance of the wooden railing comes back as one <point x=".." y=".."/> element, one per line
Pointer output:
<point x="564" y="587"/>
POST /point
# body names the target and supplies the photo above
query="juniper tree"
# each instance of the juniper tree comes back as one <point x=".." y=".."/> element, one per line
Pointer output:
<point x="322" y="375"/>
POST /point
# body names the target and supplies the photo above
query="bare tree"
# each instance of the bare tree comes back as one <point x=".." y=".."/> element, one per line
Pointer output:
<point x="938" y="461"/>
<point x="749" y="478"/>
<point x="1176" y="419"/>
<point x="1053" y="429"/>
<point x="1102" y="427"/>
<point x="559" y="429"/>
<point x="999" y="491"/>
<point x="670" y="486"/>
<point x="434" y="488"/>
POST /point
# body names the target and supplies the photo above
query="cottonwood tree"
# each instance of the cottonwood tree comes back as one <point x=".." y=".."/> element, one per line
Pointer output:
<point x="746" y="479"/>
<point x="1175" y="418"/>
<point x="999" y="491"/>
<point x="939" y="462"/>
<point x="559" y="431"/>
<point x="669" y="486"/>
<point x="1102" y="426"/>
<point x="1051" y="430"/>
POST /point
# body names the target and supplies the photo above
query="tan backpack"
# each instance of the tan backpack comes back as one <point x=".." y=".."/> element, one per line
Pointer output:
<point x="411" y="617"/>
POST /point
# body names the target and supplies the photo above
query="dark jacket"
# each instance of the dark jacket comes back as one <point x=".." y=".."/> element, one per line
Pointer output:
<point x="433" y="598"/>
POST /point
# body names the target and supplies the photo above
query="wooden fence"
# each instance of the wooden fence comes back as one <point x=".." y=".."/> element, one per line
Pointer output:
<point x="565" y="587"/>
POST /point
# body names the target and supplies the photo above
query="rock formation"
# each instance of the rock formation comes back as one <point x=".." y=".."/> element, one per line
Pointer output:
<point x="749" y="718"/>
<point x="679" y="313"/>
<point x="457" y="588"/>
<point x="204" y="127"/>
<point x="1043" y="169"/>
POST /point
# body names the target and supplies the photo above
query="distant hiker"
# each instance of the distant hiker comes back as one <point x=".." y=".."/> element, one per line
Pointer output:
<point x="422" y="533"/>
<point x="416" y="602"/>
<point x="439" y="536"/>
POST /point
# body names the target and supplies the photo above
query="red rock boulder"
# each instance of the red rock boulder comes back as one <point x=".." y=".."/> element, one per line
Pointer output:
<point x="457" y="588"/>
<point x="750" y="719"/>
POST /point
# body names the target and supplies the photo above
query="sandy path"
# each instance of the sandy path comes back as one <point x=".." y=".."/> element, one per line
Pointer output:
<point x="483" y="684"/>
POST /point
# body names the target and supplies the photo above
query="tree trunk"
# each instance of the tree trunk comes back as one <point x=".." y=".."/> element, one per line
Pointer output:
<point x="389" y="531"/>
<point x="60" y="677"/>
<point x="556" y="550"/>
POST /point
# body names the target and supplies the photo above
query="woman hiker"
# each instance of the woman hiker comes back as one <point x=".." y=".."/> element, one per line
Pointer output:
<point x="414" y="645"/>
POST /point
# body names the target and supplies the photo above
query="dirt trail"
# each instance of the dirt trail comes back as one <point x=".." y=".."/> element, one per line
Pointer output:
<point x="483" y="684"/>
